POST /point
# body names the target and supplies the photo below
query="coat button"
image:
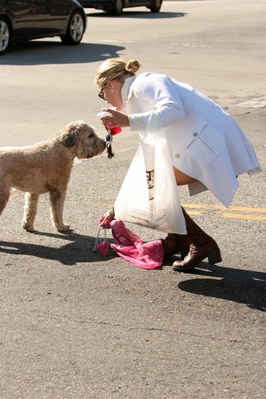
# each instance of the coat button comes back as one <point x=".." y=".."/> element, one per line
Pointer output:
<point x="195" y="134"/>
<point x="177" y="155"/>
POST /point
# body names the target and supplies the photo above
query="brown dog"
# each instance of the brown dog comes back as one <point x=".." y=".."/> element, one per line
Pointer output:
<point x="46" y="167"/>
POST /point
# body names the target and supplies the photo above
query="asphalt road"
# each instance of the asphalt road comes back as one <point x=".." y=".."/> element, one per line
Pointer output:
<point x="76" y="325"/>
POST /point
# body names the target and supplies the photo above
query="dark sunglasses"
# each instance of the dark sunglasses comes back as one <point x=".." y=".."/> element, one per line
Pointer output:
<point x="101" y="95"/>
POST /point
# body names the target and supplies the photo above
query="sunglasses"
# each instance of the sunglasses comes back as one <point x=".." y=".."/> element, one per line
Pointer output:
<point x="101" y="95"/>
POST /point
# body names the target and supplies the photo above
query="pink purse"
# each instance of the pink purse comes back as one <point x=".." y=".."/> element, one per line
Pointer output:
<point x="129" y="246"/>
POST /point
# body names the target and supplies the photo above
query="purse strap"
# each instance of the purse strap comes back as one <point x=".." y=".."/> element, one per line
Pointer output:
<point x="98" y="240"/>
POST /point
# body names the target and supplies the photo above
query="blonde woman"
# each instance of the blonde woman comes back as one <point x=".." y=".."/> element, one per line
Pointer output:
<point x="208" y="149"/>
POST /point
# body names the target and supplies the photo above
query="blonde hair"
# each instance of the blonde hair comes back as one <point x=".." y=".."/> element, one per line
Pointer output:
<point x="116" y="69"/>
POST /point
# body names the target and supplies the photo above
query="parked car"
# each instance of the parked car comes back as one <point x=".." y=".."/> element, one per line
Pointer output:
<point x="116" y="6"/>
<point x="30" y="19"/>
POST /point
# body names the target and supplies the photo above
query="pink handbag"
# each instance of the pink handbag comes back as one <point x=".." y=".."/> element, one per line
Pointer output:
<point x="129" y="246"/>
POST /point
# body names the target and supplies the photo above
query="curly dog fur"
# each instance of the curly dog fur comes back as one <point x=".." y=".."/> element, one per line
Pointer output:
<point x="46" y="167"/>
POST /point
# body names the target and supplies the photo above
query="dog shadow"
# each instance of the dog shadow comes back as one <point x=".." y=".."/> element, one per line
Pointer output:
<point x="78" y="249"/>
<point x="237" y="285"/>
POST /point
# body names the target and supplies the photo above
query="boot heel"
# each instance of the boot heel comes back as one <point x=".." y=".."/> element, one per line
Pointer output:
<point x="214" y="257"/>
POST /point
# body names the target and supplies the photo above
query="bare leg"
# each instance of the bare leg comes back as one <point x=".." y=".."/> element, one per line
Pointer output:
<point x="57" y="199"/>
<point x="181" y="178"/>
<point x="30" y="210"/>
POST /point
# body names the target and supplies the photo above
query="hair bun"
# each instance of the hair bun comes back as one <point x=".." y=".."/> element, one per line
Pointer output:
<point x="132" y="66"/>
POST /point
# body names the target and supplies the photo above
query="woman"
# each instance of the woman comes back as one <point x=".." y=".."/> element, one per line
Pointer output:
<point x="208" y="149"/>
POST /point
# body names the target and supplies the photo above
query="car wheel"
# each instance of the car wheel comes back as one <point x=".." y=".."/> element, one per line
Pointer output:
<point x="117" y="7"/>
<point x="5" y="35"/>
<point x="156" y="5"/>
<point x="75" y="29"/>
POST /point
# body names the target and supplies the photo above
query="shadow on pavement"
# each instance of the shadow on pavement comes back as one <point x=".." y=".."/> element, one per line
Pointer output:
<point x="48" y="52"/>
<point x="139" y="15"/>
<point x="45" y="52"/>
<point x="237" y="285"/>
<point x="79" y="249"/>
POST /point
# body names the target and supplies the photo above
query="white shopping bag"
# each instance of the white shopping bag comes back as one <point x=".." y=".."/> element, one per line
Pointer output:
<point x="149" y="194"/>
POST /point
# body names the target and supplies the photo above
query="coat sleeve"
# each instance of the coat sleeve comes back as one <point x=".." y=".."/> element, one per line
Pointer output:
<point x="158" y="95"/>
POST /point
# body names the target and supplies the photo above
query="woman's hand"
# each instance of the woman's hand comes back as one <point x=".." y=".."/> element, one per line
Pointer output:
<point x="107" y="218"/>
<point x="115" y="118"/>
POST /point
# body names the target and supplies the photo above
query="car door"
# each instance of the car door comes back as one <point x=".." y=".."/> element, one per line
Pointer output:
<point x="50" y="16"/>
<point x="22" y="12"/>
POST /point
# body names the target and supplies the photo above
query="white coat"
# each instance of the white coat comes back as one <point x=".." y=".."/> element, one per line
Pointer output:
<point x="204" y="141"/>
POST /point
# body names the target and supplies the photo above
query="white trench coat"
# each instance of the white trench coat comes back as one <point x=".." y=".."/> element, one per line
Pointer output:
<point x="204" y="141"/>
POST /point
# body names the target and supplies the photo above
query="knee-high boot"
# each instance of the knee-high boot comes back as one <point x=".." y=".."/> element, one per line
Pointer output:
<point x="174" y="244"/>
<point x="201" y="246"/>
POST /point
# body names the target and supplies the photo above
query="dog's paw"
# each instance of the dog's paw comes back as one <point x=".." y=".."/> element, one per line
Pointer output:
<point x="63" y="228"/>
<point x="28" y="227"/>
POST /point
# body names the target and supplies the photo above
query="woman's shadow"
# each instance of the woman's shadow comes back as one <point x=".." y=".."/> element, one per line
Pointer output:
<point x="237" y="285"/>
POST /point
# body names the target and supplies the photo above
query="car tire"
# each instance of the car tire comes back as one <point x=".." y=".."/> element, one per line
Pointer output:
<point x="156" y="5"/>
<point x="5" y="35"/>
<point x="117" y="7"/>
<point x="75" y="29"/>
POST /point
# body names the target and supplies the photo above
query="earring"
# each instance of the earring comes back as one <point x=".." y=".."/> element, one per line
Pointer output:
<point x="111" y="91"/>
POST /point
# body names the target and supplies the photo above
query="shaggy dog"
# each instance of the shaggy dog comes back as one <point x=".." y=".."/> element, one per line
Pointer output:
<point x="46" y="167"/>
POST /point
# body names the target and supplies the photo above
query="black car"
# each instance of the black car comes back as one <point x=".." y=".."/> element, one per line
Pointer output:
<point x="116" y="6"/>
<point x="32" y="19"/>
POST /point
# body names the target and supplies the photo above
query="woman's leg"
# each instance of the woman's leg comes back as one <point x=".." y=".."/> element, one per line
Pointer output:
<point x="197" y="244"/>
<point x="181" y="178"/>
<point x="176" y="243"/>
<point x="201" y="246"/>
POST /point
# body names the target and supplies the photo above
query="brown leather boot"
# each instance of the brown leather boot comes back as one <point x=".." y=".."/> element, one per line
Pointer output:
<point x="175" y="243"/>
<point x="201" y="246"/>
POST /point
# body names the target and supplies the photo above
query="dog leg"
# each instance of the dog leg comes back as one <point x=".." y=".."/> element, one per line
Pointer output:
<point x="57" y="199"/>
<point x="30" y="210"/>
<point x="4" y="196"/>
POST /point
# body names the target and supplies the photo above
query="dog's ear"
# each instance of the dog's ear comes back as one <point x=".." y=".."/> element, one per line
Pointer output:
<point x="69" y="138"/>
